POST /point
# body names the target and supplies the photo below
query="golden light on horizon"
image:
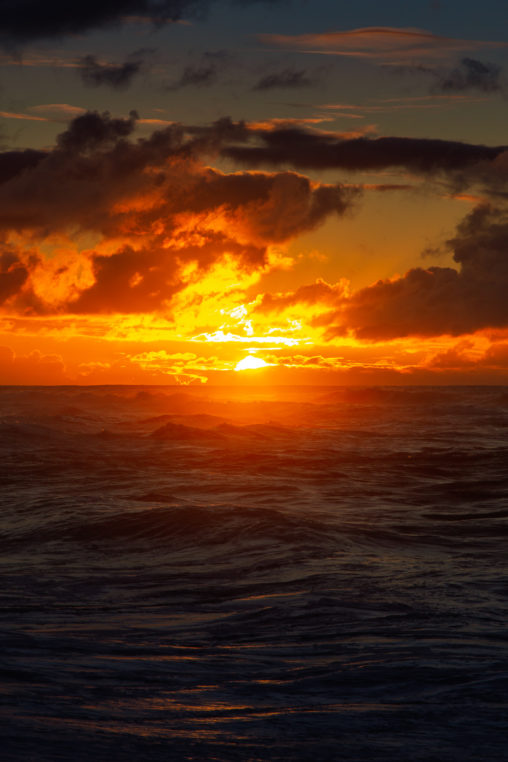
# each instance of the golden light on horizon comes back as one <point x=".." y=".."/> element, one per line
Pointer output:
<point x="251" y="363"/>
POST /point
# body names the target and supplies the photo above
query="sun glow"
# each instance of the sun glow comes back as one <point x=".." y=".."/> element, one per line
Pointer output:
<point x="250" y="363"/>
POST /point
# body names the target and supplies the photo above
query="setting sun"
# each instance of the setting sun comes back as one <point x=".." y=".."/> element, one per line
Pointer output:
<point x="251" y="363"/>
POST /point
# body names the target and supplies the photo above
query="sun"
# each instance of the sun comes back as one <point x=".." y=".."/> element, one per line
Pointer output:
<point x="250" y="363"/>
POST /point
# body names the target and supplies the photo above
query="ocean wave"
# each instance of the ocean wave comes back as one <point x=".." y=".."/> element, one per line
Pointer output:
<point x="190" y="574"/>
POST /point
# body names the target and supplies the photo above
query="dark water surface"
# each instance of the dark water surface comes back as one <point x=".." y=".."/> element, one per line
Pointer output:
<point x="220" y="575"/>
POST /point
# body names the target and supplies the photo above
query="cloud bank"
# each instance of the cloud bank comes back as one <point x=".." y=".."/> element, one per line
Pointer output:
<point x="158" y="220"/>
<point x="25" y="21"/>
<point x="442" y="300"/>
<point x="312" y="149"/>
<point x="160" y="216"/>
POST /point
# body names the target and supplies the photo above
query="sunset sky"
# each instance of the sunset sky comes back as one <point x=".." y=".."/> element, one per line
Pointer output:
<point x="263" y="192"/>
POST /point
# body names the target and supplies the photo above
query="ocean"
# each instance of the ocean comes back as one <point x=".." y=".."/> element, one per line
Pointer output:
<point x="242" y="574"/>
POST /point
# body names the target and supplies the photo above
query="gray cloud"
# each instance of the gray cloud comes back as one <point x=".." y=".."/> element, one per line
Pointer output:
<point x="24" y="21"/>
<point x="311" y="149"/>
<point x="204" y="73"/>
<point x="12" y="163"/>
<point x="468" y="75"/>
<point x="117" y="76"/>
<point x="288" y="78"/>
<point x="471" y="74"/>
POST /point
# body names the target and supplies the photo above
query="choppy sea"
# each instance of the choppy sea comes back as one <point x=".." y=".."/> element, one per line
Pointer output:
<point x="254" y="575"/>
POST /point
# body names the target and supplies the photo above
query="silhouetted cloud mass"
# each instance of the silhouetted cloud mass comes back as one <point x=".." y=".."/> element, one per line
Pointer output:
<point x="442" y="300"/>
<point x="12" y="163"/>
<point x="161" y="215"/>
<point x="156" y="208"/>
<point x="27" y="20"/>
<point x="311" y="149"/>
<point x="424" y="302"/>
<point x="93" y="131"/>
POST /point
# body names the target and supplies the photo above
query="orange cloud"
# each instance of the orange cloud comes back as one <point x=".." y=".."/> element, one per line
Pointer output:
<point x="387" y="44"/>
<point x="152" y="207"/>
<point x="183" y="367"/>
<point x="137" y="243"/>
<point x="34" y="367"/>
<point x="319" y="292"/>
<point x="26" y="117"/>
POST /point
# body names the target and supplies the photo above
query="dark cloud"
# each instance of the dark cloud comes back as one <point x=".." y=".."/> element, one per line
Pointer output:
<point x="441" y="300"/>
<point x="266" y="207"/>
<point x="93" y="131"/>
<point x="13" y="274"/>
<point x="155" y="205"/>
<point x="471" y="74"/>
<point x="92" y="167"/>
<point x="13" y="163"/>
<point x="310" y="149"/>
<point x="432" y="301"/>
<point x="129" y="281"/>
<point x="204" y="73"/>
<point x="313" y="293"/>
<point x="135" y="281"/>
<point x="196" y="76"/>
<point x="118" y="76"/>
<point x="289" y="78"/>
<point x="27" y="20"/>
<point x="94" y="172"/>
<point x="212" y="138"/>
<point x="158" y="208"/>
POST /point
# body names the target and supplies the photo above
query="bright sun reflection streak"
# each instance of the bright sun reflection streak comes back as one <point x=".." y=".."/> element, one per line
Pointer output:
<point x="250" y="363"/>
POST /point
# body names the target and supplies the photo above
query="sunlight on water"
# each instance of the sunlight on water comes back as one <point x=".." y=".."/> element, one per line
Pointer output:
<point x="282" y="574"/>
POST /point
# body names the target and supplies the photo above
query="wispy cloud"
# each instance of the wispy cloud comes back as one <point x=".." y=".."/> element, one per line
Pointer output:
<point x="384" y="44"/>
<point x="468" y="75"/>
<point x="288" y="78"/>
<point x="57" y="112"/>
<point x="203" y="73"/>
<point x="37" y="60"/>
<point x="407" y="103"/>
<point x="157" y="122"/>
<point x="46" y="112"/>
<point x="471" y="74"/>
<point x="26" y="117"/>
<point x="95" y="73"/>
<point x="276" y="122"/>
